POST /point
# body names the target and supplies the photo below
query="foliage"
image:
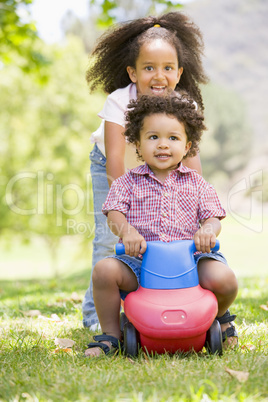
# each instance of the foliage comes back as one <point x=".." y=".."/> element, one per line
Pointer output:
<point x="45" y="134"/>
<point x="33" y="367"/>
<point x="85" y="29"/>
<point x="114" y="10"/>
<point x="226" y="145"/>
<point x="263" y="186"/>
<point x="235" y="33"/>
<point x="44" y="130"/>
<point x="19" y="41"/>
<point x="107" y="12"/>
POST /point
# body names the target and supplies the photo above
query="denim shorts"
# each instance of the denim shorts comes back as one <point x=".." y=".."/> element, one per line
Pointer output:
<point x="134" y="263"/>
<point x="214" y="255"/>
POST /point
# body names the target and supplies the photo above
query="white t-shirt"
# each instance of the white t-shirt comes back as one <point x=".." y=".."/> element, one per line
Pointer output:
<point x="114" y="111"/>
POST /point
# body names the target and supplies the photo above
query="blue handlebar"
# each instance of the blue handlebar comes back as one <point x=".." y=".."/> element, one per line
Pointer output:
<point x="119" y="248"/>
<point x="168" y="265"/>
<point x="217" y="246"/>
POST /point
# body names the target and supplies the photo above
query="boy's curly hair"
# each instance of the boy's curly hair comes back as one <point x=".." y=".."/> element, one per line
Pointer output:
<point x="179" y="105"/>
<point x="119" y="48"/>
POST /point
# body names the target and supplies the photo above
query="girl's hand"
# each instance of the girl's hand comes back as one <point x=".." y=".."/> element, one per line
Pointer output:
<point x="134" y="243"/>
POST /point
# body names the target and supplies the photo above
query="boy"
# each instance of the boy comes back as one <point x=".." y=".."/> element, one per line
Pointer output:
<point x="161" y="200"/>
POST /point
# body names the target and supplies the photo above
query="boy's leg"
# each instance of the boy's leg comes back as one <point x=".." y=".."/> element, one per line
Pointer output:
<point x="221" y="280"/>
<point x="104" y="240"/>
<point x="109" y="277"/>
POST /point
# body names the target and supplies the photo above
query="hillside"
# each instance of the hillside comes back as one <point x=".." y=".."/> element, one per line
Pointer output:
<point x="236" y="53"/>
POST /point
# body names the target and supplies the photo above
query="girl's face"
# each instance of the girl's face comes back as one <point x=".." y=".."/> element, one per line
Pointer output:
<point x="163" y="143"/>
<point x="157" y="69"/>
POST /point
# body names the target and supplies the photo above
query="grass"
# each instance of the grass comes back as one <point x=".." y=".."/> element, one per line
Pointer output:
<point x="32" y="369"/>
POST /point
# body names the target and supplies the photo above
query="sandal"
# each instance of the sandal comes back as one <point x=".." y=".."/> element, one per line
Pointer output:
<point x="116" y="344"/>
<point x="231" y="331"/>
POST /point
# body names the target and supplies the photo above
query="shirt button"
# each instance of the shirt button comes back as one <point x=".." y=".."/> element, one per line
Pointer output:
<point x="165" y="194"/>
<point x="164" y="214"/>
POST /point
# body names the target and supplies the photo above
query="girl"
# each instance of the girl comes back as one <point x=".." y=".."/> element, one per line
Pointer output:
<point x="147" y="56"/>
<point x="161" y="200"/>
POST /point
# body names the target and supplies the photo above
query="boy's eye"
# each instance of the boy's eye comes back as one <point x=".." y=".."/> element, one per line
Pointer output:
<point x="149" y="68"/>
<point x="153" y="137"/>
<point x="173" y="138"/>
<point x="168" y="68"/>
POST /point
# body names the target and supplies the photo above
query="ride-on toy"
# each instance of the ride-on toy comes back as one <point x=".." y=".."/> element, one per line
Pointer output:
<point x="170" y="311"/>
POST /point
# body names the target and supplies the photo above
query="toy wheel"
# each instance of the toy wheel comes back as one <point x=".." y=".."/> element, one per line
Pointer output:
<point x="214" y="338"/>
<point x="130" y="340"/>
<point x="123" y="321"/>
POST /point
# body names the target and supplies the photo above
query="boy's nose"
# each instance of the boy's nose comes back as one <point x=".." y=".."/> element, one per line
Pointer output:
<point x="162" y="144"/>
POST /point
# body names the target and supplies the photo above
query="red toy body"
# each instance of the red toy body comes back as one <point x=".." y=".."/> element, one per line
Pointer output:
<point x="170" y="312"/>
<point x="171" y="320"/>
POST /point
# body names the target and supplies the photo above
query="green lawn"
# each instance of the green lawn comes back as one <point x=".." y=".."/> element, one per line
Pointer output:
<point x="33" y="368"/>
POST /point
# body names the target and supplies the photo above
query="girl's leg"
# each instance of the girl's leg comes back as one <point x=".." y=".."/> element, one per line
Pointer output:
<point x="109" y="276"/>
<point x="104" y="240"/>
<point x="221" y="280"/>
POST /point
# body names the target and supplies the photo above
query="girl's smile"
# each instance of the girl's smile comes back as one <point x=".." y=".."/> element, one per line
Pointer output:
<point x="157" y="68"/>
<point x="163" y="143"/>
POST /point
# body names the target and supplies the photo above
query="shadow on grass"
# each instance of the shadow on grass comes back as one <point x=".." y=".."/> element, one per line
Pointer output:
<point x="249" y="310"/>
<point x="54" y="296"/>
<point x="47" y="295"/>
<point x="75" y="282"/>
<point x="251" y="296"/>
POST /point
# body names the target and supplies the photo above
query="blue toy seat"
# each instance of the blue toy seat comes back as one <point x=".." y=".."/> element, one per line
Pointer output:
<point x="169" y="265"/>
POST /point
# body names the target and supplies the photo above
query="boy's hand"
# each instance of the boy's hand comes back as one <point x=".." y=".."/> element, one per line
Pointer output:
<point x="134" y="243"/>
<point x="205" y="237"/>
<point x="204" y="242"/>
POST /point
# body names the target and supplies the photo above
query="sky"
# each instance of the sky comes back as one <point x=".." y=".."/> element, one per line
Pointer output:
<point x="48" y="15"/>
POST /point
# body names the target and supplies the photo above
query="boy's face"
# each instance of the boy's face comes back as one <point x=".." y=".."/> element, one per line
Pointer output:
<point x="163" y="143"/>
<point x="157" y="71"/>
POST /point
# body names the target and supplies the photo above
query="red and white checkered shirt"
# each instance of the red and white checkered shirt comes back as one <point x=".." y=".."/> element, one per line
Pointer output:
<point x="164" y="211"/>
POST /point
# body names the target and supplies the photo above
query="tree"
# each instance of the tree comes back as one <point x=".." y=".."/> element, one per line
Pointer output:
<point x="44" y="132"/>
<point x="226" y="145"/>
<point x="122" y="10"/>
<point x="19" y="39"/>
<point x="107" y="12"/>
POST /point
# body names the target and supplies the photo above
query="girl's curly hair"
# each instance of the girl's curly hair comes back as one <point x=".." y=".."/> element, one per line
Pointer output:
<point x="179" y="105"/>
<point x="119" y="48"/>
